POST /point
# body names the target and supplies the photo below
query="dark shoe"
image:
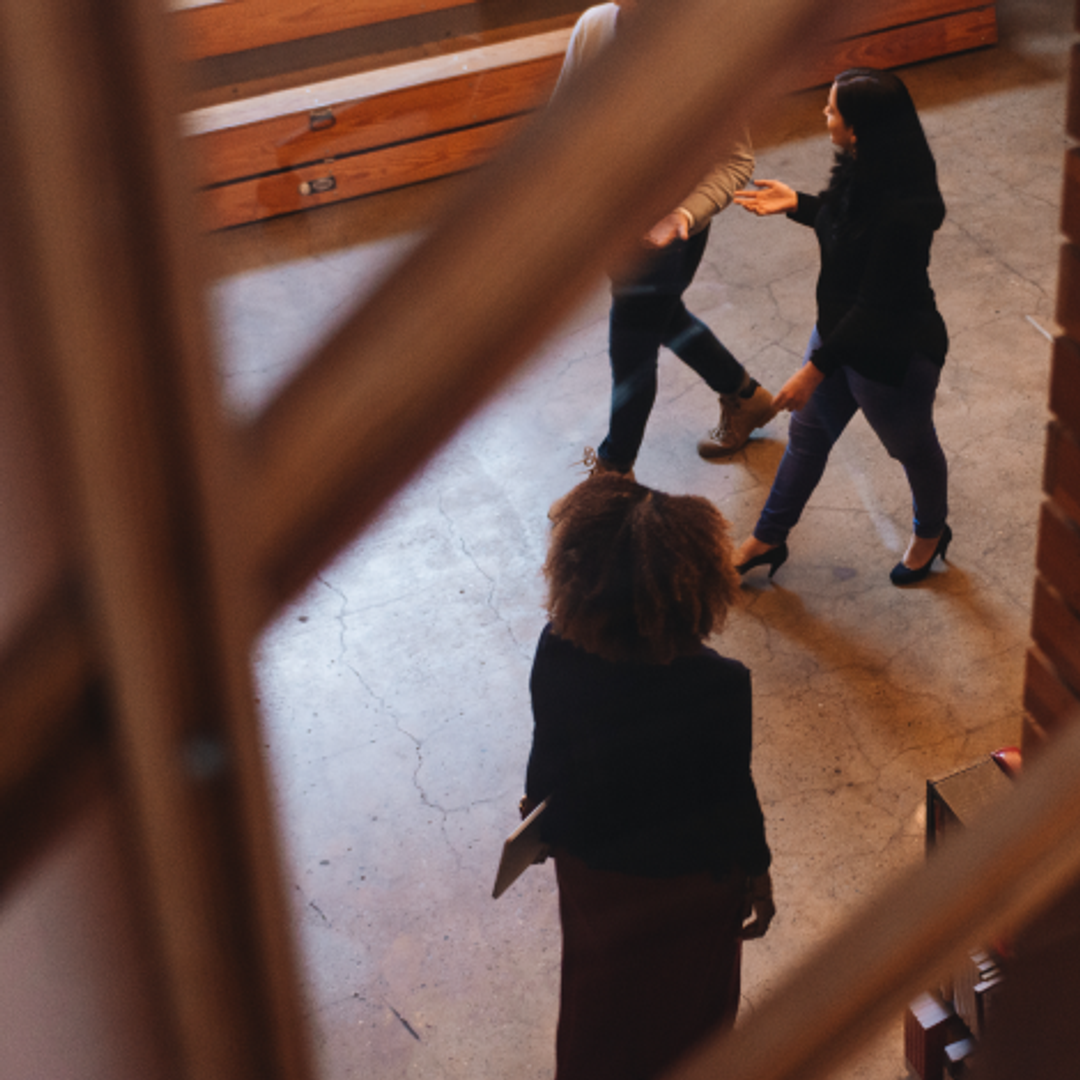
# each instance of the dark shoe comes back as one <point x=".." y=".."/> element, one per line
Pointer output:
<point x="738" y="418"/>
<point x="774" y="558"/>
<point x="904" y="575"/>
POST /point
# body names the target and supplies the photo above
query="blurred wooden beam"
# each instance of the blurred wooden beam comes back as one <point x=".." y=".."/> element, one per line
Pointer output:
<point x="44" y="673"/>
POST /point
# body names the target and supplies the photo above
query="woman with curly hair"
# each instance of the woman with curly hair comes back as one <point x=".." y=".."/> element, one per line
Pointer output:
<point x="642" y="741"/>
<point x="880" y="342"/>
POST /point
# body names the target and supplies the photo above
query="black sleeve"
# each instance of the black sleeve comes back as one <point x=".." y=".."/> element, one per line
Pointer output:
<point x="549" y="756"/>
<point x="743" y="819"/>
<point x="807" y="211"/>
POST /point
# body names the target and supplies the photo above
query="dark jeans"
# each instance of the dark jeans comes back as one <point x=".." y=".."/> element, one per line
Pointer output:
<point x="647" y="311"/>
<point x="902" y="418"/>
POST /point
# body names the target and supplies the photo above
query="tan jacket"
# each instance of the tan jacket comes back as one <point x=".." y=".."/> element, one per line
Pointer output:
<point x="594" y="31"/>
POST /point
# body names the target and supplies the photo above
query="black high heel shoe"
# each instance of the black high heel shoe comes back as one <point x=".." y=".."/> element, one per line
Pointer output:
<point x="904" y="575"/>
<point x="774" y="558"/>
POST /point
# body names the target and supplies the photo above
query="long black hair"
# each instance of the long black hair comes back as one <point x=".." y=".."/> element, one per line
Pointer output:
<point x="890" y="157"/>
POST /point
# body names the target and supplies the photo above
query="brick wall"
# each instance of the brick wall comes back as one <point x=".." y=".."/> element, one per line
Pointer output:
<point x="1034" y="1034"/>
<point x="1052" y="682"/>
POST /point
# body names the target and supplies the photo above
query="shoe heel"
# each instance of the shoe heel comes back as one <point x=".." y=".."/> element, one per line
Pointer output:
<point x="944" y="542"/>
<point x="781" y="558"/>
<point x="774" y="558"/>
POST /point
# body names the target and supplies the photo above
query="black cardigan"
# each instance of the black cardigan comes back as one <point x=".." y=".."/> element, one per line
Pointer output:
<point x="875" y="304"/>
<point x="648" y="765"/>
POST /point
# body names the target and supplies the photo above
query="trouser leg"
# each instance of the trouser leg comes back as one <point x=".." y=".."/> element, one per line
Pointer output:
<point x="811" y="435"/>
<point x="903" y="419"/>
<point x="646" y="312"/>
<point x="700" y="349"/>
<point x="634" y="334"/>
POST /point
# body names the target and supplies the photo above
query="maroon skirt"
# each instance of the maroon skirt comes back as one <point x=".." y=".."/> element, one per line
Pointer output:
<point x="650" y="966"/>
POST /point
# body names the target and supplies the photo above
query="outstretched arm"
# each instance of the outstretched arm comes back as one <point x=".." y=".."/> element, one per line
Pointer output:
<point x="771" y="197"/>
<point x="712" y="194"/>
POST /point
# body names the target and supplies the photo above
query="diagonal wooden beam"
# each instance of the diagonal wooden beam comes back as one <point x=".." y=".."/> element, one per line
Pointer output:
<point x="44" y="674"/>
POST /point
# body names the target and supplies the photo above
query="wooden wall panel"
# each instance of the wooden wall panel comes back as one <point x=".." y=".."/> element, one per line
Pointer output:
<point x="1065" y="383"/>
<point x="237" y="25"/>
<point x="352" y="115"/>
<point x="1058" y="553"/>
<point x="1053" y="671"/>
<point x="908" y="44"/>
<point x="242" y="141"/>
<point x="1047" y="699"/>
<point x="348" y="177"/>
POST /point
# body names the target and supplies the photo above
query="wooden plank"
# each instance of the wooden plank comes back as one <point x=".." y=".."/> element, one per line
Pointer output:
<point x="1049" y="701"/>
<point x="1070" y="202"/>
<point x="43" y="675"/>
<point x="1057" y="555"/>
<point x="907" y="44"/>
<point x="60" y="784"/>
<point x="1068" y="296"/>
<point x="346" y="125"/>
<point x="342" y="116"/>
<point x="1072" y="104"/>
<point x="1061" y="471"/>
<point x="1033" y="737"/>
<point x="347" y="89"/>
<point x="348" y="177"/>
<point x="1065" y="383"/>
<point x="1056" y="631"/>
<point x="237" y="25"/>
<point x="887" y="14"/>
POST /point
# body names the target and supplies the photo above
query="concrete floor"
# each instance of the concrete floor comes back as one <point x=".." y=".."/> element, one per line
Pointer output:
<point x="395" y="690"/>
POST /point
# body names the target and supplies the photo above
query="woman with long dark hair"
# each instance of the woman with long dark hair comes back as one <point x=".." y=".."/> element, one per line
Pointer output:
<point x="880" y="342"/>
<point x="642" y="739"/>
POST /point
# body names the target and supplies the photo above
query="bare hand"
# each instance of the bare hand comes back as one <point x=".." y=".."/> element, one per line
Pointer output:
<point x="772" y="197"/>
<point x="673" y="226"/>
<point x="759" y="904"/>
<point x="796" y="392"/>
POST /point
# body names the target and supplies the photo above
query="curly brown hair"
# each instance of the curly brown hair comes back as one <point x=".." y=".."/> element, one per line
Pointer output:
<point x="635" y="574"/>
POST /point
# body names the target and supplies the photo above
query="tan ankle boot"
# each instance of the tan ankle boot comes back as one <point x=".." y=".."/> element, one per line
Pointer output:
<point x="738" y="418"/>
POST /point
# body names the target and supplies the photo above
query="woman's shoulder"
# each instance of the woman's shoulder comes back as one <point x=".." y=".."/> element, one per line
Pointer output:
<point x="705" y="662"/>
<point x="710" y="664"/>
